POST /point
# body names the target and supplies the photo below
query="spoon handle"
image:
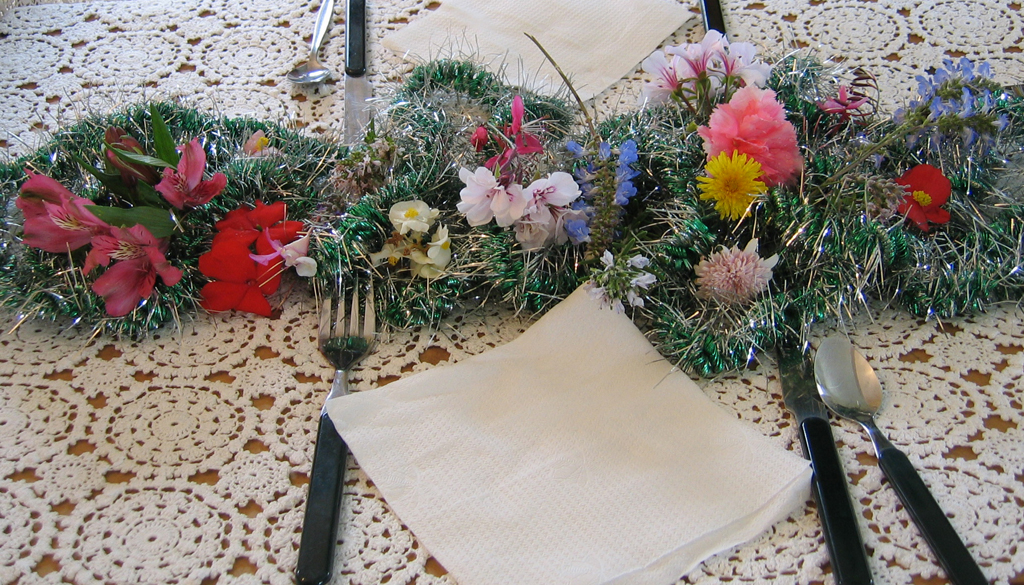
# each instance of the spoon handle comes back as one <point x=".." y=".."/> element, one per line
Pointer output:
<point x="323" y="22"/>
<point x="953" y="555"/>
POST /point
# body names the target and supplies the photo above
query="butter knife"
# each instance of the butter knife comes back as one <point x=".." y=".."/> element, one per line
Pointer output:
<point x="838" y="520"/>
<point x="711" y="10"/>
<point x="357" y="85"/>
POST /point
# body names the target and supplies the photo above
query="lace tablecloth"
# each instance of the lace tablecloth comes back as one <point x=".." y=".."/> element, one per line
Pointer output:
<point x="184" y="458"/>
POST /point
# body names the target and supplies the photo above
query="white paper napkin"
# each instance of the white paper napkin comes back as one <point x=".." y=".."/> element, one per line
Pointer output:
<point x="596" y="42"/>
<point x="574" y="455"/>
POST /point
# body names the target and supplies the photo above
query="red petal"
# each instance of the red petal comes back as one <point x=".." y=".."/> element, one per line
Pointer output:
<point x="255" y="302"/>
<point x="228" y="261"/>
<point x="929" y="179"/>
<point x="223" y="296"/>
<point x="269" y="277"/>
<point x="244" y="237"/>
<point x="267" y="215"/>
<point x="285" y="232"/>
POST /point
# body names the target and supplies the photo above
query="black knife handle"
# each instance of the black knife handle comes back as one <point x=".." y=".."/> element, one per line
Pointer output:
<point x="355" y="38"/>
<point x="838" y="520"/>
<point x="713" y="17"/>
<point x="953" y="555"/>
<point x="323" y="506"/>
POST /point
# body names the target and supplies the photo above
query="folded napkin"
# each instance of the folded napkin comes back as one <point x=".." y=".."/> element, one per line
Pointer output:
<point x="596" y="42"/>
<point x="573" y="455"/>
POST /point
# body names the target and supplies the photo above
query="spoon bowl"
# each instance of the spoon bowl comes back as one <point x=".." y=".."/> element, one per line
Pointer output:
<point x="849" y="387"/>
<point x="312" y="71"/>
<point x="846" y="381"/>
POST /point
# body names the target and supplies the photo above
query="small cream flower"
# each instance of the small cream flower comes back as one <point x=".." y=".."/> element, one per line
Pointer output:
<point x="414" y="216"/>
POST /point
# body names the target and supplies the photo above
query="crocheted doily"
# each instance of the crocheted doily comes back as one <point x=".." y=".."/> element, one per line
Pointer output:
<point x="184" y="458"/>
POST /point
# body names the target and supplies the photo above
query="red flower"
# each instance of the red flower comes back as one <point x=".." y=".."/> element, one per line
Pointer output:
<point x="185" y="186"/>
<point x="240" y="283"/>
<point x="927" y="191"/>
<point x="479" y="138"/>
<point x="844" y="104"/>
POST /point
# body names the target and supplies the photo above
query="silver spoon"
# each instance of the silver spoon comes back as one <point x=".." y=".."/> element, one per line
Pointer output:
<point x="849" y="387"/>
<point x="312" y="71"/>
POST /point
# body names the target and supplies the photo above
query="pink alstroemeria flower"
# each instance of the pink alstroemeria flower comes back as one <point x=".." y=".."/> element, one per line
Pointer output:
<point x="140" y="259"/>
<point x="185" y="186"/>
<point x="131" y="173"/>
<point x="843" y="104"/>
<point x="56" y="220"/>
<point x="524" y="142"/>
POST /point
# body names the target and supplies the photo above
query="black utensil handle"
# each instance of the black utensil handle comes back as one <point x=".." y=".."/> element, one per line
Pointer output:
<point x="953" y="555"/>
<point x="355" y="38"/>
<point x="323" y="506"/>
<point x="838" y="520"/>
<point x="713" y="17"/>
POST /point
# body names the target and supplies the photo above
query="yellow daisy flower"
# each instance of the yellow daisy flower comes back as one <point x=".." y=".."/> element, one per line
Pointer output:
<point x="732" y="183"/>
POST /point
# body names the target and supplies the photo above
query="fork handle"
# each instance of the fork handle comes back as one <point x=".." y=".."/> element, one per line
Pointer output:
<point x="323" y="506"/>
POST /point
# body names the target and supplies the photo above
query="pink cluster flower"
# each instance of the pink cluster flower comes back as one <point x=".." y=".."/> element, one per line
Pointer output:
<point x="754" y="123"/>
<point x="58" y="221"/>
<point x="734" y="276"/>
<point x="537" y="212"/>
<point x="713" y="66"/>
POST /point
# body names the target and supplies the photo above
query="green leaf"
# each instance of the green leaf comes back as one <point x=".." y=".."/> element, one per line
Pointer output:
<point x="148" y="196"/>
<point x="163" y="143"/>
<point x="157" y="221"/>
<point x="112" y="181"/>
<point x="143" y="159"/>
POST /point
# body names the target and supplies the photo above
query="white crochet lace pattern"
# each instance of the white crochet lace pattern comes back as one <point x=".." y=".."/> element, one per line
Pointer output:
<point x="183" y="458"/>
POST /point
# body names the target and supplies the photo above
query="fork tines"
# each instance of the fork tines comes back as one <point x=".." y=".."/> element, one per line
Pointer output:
<point x="334" y="324"/>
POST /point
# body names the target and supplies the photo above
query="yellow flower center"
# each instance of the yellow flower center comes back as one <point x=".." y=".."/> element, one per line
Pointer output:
<point x="447" y="244"/>
<point x="411" y="213"/>
<point x="732" y="183"/>
<point x="921" y="197"/>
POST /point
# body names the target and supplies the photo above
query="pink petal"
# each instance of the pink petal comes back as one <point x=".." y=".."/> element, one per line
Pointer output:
<point x="192" y="163"/>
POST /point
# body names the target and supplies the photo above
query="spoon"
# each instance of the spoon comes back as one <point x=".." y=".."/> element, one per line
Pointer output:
<point x="312" y="71"/>
<point x="849" y="387"/>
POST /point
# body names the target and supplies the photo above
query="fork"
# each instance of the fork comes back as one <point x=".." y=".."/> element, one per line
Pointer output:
<point x="344" y="346"/>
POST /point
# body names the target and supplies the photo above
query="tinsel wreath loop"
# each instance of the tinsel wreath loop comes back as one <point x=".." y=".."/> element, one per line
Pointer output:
<point x="401" y="208"/>
<point x="38" y="284"/>
<point x="417" y="147"/>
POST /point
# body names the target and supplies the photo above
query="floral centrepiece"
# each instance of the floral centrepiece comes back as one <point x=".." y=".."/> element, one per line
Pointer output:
<point x="744" y="199"/>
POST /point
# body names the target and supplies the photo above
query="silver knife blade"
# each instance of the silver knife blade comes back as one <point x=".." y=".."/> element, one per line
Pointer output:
<point x="838" y="520"/>
<point x="357" y="85"/>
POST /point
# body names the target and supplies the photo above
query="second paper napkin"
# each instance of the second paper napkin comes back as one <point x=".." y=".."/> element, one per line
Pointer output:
<point x="573" y="455"/>
<point x="596" y="42"/>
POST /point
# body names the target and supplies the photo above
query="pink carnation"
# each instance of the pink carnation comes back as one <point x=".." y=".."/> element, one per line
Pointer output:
<point x="754" y="124"/>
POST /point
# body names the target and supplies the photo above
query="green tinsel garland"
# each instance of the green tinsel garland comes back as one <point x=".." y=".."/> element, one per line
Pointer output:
<point x="835" y="252"/>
